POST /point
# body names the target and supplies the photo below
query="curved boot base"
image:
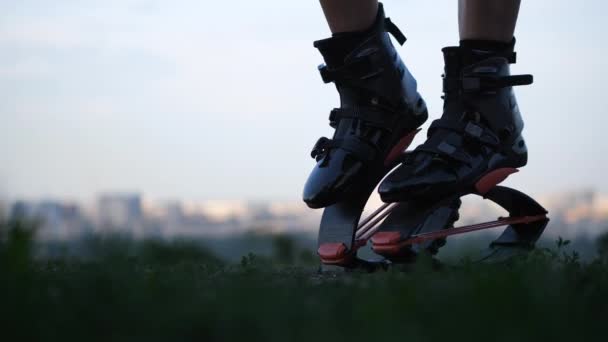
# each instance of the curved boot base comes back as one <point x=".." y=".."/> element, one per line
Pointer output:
<point x="430" y="192"/>
<point x="402" y="231"/>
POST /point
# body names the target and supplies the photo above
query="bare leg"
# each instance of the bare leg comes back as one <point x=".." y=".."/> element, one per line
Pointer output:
<point x="349" y="15"/>
<point x="487" y="19"/>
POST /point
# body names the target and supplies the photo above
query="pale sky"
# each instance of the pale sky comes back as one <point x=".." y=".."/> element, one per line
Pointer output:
<point x="221" y="100"/>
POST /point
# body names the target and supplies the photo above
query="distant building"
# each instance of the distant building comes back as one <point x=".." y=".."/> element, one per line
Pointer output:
<point x="120" y="212"/>
<point x="180" y="223"/>
<point x="55" y="219"/>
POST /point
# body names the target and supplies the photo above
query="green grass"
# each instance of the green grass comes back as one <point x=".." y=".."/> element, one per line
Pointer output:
<point x="152" y="291"/>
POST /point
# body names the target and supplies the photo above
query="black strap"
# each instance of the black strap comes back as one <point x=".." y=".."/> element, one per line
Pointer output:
<point x="447" y="150"/>
<point x="360" y="68"/>
<point x="394" y="31"/>
<point x="484" y="83"/>
<point x="371" y="116"/>
<point x="359" y="148"/>
<point x="468" y="129"/>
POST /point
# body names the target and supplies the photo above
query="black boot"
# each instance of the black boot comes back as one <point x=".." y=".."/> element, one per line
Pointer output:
<point x="379" y="113"/>
<point x="477" y="142"/>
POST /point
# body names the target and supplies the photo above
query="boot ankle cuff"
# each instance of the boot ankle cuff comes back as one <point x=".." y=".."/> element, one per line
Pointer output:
<point x="488" y="45"/>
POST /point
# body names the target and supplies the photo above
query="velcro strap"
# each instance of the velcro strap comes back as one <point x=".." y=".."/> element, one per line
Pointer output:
<point x="394" y="31"/>
<point x="360" y="68"/>
<point x="360" y="149"/>
<point x="484" y="83"/>
<point x="468" y="129"/>
<point x="369" y="115"/>
<point x="480" y="134"/>
<point x="446" y="150"/>
<point x="510" y="56"/>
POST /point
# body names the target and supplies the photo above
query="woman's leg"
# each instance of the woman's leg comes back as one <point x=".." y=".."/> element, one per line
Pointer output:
<point x="487" y="19"/>
<point x="349" y="15"/>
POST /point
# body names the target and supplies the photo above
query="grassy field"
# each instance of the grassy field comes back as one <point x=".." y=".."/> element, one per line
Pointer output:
<point x="153" y="291"/>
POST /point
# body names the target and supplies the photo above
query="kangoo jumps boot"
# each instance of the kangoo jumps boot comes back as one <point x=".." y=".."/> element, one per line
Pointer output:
<point x="478" y="140"/>
<point x="380" y="111"/>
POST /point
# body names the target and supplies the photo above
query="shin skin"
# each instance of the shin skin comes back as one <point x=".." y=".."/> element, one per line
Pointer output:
<point x="349" y="15"/>
<point x="487" y="19"/>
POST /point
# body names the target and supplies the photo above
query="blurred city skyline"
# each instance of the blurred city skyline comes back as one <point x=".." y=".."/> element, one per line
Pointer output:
<point x="191" y="100"/>
<point x="581" y="214"/>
